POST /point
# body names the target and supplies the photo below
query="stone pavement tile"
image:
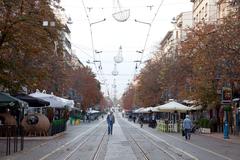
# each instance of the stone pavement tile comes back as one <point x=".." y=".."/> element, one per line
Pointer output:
<point x="118" y="147"/>
<point x="123" y="156"/>
<point x="232" y="138"/>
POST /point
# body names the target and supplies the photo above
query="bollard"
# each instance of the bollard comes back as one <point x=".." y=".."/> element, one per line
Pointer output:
<point x="8" y="146"/>
<point x="22" y="137"/>
<point x="15" y="138"/>
<point x="226" y="131"/>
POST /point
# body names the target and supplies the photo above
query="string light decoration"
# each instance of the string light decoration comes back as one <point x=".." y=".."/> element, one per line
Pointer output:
<point x="119" y="58"/>
<point x="115" y="72"/>
<point x="120" y="14"/>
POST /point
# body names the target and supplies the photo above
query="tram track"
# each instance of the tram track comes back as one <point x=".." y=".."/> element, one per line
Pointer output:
<point x="178" y="151"/>
<point x="95" y="155"/>
<point x="83" y="145"/>
<point x="177" y="156"/>
<point x="171" y="153"/>
<point x="145" y="156"/>
<point x="99" y="147"/>
<point x="75" y="143"/>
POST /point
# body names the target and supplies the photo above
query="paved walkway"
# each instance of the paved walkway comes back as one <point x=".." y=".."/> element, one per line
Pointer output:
<point x="118" y="146"/>
<point x="232" y="138"/>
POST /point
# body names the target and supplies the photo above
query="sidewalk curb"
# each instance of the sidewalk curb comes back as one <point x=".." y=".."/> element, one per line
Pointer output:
<point x="230" y="140"/>
<point x="38" y="138"/>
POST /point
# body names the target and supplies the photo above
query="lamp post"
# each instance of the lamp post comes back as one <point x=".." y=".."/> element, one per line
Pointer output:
<point x="94" y="62"/>
<point x="137" y="61"/>
<point x="226" y="101"/>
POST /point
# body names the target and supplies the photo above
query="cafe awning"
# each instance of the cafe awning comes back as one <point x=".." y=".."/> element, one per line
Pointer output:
<point x="93" y="111"/>
<point x="173" y="107"/>
<point x="33" y="101"/>
<point x="195" y="107"/>
<point x="139" y="110"/>
<point x="8" y="101"/>
<point x="55" y="101"/>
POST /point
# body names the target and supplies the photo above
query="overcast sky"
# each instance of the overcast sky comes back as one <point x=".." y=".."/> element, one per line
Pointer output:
<point x="109" y="35"/>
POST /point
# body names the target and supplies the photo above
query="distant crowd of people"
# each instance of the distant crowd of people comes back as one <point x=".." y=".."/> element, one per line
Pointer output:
<point x="151" y="120"/>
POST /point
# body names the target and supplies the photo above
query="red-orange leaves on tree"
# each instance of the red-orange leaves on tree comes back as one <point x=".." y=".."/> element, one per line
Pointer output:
<point x="27" y="48"/>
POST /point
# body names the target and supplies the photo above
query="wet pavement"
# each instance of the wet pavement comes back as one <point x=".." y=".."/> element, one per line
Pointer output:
<point x="129" y="141"/>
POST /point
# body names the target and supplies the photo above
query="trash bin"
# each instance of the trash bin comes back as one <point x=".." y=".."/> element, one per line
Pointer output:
<point x="72" y="120"/>
<point x="77" y="122"/>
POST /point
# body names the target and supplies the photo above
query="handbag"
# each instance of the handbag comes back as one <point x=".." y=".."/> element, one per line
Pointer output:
<point x="183" y="133"/>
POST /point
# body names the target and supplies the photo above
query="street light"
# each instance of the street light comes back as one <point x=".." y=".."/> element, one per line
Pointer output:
<point x="51" y="24"/>
<point x="142" y="22"/>
<point x="137" y="61"/>
<point x="98" y="22"/>
<point x="174" y="21"/>
<point x="96" y="51"/>
<point x="47" y="23"/>
<point x="95" y="61"/>
<point x="141" y="51"/>
<point x="69" y="21"/>
<point x="89" y="62"/>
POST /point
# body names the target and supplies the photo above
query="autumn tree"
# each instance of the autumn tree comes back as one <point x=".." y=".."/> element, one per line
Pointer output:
<point x="28" y="54"/>
<point x="148" y="87"/>
<point x="84" y="81"/>
<point x="206" y="60"/>
<point x="214" y="54"/>
<point x="128" y="98"/>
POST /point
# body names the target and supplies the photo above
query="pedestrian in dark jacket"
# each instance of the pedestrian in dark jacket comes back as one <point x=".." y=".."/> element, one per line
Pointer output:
<point x="134" y="119"/>
<point x="110" y="122"/>
<point x="140" y="120"/>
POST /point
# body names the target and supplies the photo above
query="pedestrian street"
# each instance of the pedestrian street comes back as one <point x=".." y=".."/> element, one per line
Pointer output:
<point x="128" y="141"/>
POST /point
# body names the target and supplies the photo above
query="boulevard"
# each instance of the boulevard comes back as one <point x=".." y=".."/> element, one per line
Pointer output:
<point x="129" y="141"/>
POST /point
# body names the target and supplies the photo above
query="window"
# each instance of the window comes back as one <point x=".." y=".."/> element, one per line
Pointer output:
<point x="206" y="8"/>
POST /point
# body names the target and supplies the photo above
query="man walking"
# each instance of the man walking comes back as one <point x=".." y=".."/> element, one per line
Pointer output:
<point x="140" y="120"/>
<point x="187" y="126"/>
<point x="110" y="122"/>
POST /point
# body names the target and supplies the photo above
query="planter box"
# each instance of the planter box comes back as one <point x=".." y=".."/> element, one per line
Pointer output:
<point x="205" y="130"/>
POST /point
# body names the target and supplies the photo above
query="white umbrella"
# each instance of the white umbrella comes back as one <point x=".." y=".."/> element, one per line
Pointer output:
<point x="93" y="111"/>
<point x="155" y="109"/>
<point x="148" y="109"/>
<point x="195" y="107"/>
<point x="138" y="110"/>
<point x="172" y="107"/>
<point x="56" y="102"/>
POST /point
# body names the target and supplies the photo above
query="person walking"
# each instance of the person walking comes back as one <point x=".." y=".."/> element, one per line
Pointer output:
<point x="134" y="119"/>
<point x="140" y="120"/>
<point x="187" y="126"/>
<point x="110" y="122"/>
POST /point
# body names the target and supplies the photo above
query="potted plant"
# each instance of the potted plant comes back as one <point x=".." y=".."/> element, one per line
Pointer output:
<point x="204" y="126"/>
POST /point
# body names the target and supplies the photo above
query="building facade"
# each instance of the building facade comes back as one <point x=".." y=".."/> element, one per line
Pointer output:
<point x="204" y="11"/>
<point x="226" y="6"/>
<point x="169" y="44"/>
<point x="181" y="25"/>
